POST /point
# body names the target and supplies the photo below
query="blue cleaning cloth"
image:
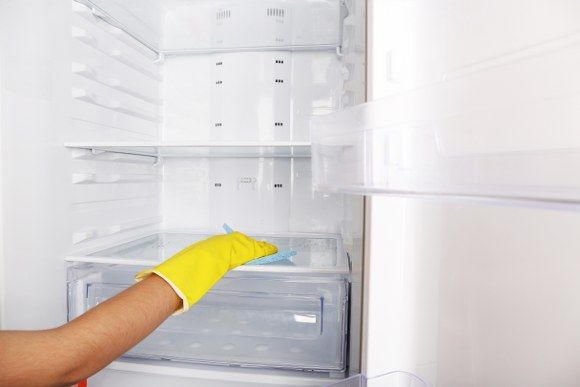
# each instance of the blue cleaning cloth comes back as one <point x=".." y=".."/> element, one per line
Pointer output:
<point x="278" y="257"/>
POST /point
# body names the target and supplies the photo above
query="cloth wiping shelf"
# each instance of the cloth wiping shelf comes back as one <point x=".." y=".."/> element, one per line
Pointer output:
<point x="278" y="257"/>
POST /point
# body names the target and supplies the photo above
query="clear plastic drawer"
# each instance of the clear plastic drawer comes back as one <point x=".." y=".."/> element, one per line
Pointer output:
<point x="271" y="318"/>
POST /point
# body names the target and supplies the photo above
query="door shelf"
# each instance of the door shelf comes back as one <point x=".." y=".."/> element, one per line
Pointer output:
<point x="288" y="315"/>
<point x="201" y="149"/>
<point x="203" y="27"/>
<point x="507" y="132"/>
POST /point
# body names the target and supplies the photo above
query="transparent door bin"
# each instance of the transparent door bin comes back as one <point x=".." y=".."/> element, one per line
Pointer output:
<point x="495" y="133"/>
<point x="263" y="319"/>
<point x="212" y="26"/>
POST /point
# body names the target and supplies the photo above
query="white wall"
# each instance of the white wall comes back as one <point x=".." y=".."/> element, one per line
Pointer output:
<point x="34" y="162"/>
<point x="2" y="37"/>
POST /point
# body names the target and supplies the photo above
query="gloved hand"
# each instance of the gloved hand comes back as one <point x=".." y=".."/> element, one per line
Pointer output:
<point x="194" y="270"/>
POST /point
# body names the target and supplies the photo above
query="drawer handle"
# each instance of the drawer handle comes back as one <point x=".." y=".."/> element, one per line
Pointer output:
<point x="305" y="318"/>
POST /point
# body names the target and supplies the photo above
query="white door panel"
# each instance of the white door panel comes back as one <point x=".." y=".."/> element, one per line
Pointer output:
<point x="473" y="295"/>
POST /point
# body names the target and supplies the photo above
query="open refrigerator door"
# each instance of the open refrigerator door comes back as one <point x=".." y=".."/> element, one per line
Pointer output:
<point x="467" y="152"/>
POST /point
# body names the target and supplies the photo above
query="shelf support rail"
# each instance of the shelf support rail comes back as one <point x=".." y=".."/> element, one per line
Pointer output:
<point x="158" y="158"/>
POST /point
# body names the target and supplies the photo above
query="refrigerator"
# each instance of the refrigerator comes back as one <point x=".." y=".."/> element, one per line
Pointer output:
<point x="418" y="155"/>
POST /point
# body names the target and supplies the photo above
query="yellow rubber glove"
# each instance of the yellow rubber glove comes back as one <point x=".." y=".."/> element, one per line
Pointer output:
<point x="194" y="270"/>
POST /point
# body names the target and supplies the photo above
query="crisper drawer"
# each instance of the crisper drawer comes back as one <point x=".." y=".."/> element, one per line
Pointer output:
<point x="248" y="319"/>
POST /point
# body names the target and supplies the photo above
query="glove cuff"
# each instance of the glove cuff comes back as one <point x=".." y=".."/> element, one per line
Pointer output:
<point x="185" y="303"/>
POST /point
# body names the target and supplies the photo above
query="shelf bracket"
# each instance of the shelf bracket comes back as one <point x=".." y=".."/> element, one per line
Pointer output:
<point x="96" y="152"/>
<point x="97" y="13"/>
<point x="339" y="51"/>
<point x="160" y="58"/>
<point x="158" y="161"/>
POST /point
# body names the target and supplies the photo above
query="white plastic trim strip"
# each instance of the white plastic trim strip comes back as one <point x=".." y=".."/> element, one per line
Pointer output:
<point x="112" y="104"/>
<point x="94" y="233"/>
<point x="114" y="83"/>
<point x="114" y="52"/>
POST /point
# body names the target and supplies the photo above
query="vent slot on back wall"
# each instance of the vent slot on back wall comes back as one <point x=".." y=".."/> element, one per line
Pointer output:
<point x="275" y="12"/>
<point x="223" y="15"/>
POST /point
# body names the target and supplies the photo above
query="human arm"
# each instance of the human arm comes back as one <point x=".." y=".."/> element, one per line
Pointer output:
<point x="62" y="356"/>
<point x="75" y="351"/>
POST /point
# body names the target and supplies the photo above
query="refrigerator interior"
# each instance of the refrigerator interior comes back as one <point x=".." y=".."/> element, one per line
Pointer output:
<point x="480" y="105"/>
<point x="173" y="117"/>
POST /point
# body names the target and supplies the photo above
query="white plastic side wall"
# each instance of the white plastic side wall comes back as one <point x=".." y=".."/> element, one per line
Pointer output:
<point x="114" y="93"/>
<point x="68" y="78"/>
<point x="34" y="163"/>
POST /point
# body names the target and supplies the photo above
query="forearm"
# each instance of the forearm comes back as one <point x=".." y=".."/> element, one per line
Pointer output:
<point x="62" y="356"/>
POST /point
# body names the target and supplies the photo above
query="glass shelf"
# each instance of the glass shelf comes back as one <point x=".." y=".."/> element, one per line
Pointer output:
<point x="201" y="149"/>
<point x="315" y="254"/>
<point x="206" y="26"/>
<point x="508" y="132"/>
